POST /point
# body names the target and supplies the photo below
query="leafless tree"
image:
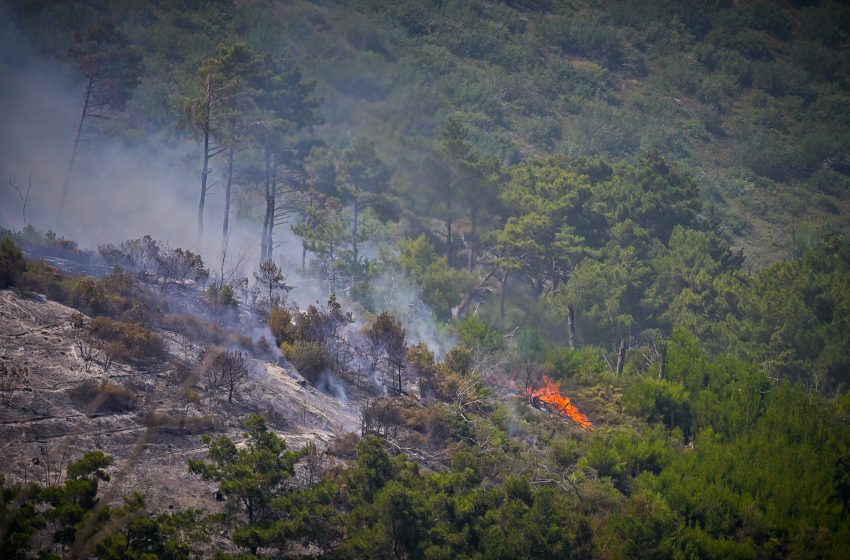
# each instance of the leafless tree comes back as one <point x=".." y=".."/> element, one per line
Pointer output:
<point x="51" y="467"/>
<point x="12" y="378"/>
<point x="313" y="467"/>
<point x="386" y="337"/>
<point x="380" y="417"/>
<point x="178" y="265"/>
<point x="230" y="270"/>
<point x="227" y="370"/>
<point x="109" y="353"/>
<point x="89" y="349"/>
<point x="24" y="196"/>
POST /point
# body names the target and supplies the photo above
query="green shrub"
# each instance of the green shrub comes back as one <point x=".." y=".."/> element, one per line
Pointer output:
<point x="659" y="401"/>
<point x="309" y="358"/>
<point x="87" y="295"/>
<point x="43" y="279"/>
<point x="280" y="323"/>
<point x="12" y="264"/>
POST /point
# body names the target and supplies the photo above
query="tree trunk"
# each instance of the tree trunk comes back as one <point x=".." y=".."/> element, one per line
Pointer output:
<point x="227" y="189"/>
<point x="449" y="239"/>
<point x="83" y="114"/>
<point x="309" y="222"/>
<point x="662" y="372"/>
<point x="206" y="166"/>
<point x="355" y="226"/>
<point x="460" y="310"/>
<point x="272" y="210"/>
<point x="470" y="253"/>
<point x="503" y="285"/>
<point x="267" y="196"/>
<point x="571" y="325"/>
<point x="621" y="356"/>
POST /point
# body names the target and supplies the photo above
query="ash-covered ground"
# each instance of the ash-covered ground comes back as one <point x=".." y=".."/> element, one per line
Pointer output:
<point x="152" y="431"/>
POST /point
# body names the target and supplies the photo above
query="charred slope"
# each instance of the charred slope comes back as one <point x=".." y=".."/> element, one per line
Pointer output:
<point x="145" y="414"/>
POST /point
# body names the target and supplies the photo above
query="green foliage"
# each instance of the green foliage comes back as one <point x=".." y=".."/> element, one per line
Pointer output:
<point x="441" y="286"/>
<point x="477" y="334"/>
<point x="309" y="358"/>
<point x="109" y="64"/>
<point x="251" y="478"/>
<point x="659" y="401"/>
<point x="553" y="225"/>
<point x="70" y="514"/>
<point x="582" y="364"/>
<point x="456" y="110"/>
<point x="12" y="263"/>
<point x="280" y="323"/>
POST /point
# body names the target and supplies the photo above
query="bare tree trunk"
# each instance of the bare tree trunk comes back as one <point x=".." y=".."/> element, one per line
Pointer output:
<point x="571" y="325"/>
<point x="621" y="356"/>
<point x="470" y="253"/>
<point x="503" y="285"/>
<point x="309" y="222"/>
<point x="355" y="226"/>
<point x="227" y="189"/>
<point x="662" y="372"/>
<point x="449" y="239"/>
<point x="205" y="170"/>
<point x="266" y="219"/>
<point x="83" y="114"/>
<point x="460" y="310"/>
<point x="272" y="210"/>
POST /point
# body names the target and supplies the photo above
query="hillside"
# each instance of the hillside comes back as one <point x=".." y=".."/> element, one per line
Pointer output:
<point x="69" y="407"/>
<point x="424" y="280"/>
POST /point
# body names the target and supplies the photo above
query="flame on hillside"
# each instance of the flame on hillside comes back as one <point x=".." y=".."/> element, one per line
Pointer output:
<point x="551" y="395"/>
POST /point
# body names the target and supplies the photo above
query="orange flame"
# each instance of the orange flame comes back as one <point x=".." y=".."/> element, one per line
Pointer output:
<point x="551" y="395"/>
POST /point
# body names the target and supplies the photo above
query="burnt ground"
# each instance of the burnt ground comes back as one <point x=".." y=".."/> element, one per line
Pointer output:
<point x="45" y="424"/>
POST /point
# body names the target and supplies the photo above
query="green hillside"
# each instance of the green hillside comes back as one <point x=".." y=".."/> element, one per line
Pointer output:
<point x="752" y="96"/>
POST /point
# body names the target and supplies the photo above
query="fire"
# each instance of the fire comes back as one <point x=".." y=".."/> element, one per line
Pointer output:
<point x="563" y="405"/>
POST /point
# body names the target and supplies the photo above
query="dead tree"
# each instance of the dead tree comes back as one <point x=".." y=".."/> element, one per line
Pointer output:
<point x="571" y="325"/>
<point x="460" y="310"/>
<point x="503" y="285"/>
<point x="52" y="467"/>
<point x="12" y="378"/>
<point x="24" y="195"/>
<point x="89" y="350"/>
<point x="386" y="339"/>
<point x="662" y="358"/>
<point x="621" y="355"/>
<point x="227" y="370"/>
<point x="178" y="265"/>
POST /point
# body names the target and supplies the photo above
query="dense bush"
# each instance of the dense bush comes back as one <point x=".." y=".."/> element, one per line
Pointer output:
<point x="12" y="263"/>
<point x="134" y="341"/>
<point x="281" y="325"/>
<point x="309" y="358"/>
